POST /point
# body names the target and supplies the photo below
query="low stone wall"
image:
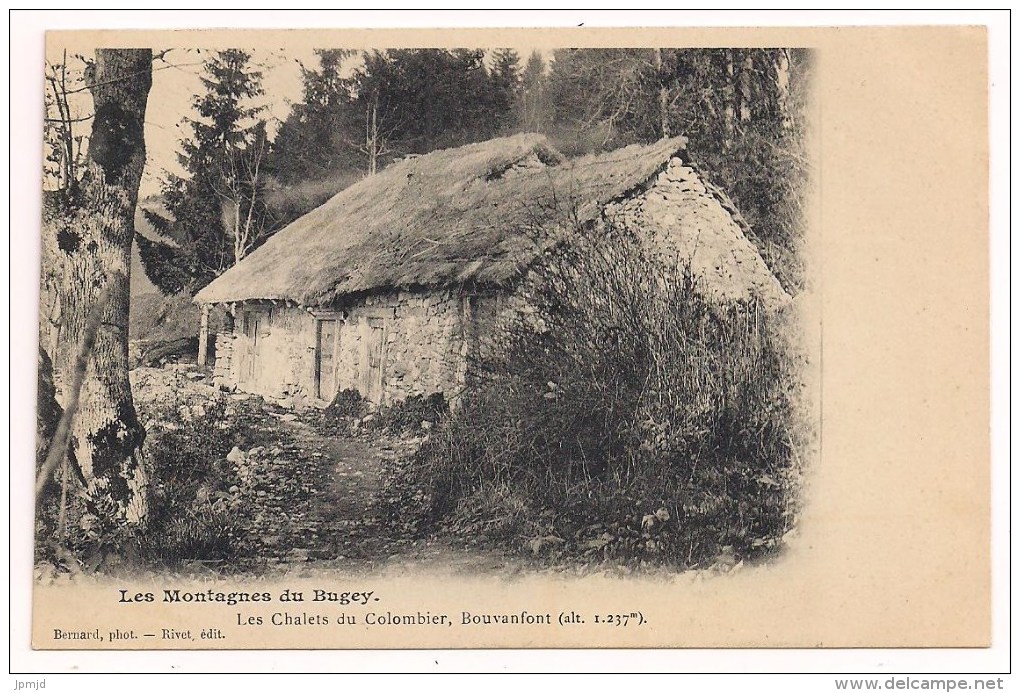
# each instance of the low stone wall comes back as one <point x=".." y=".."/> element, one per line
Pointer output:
<point x="222" y="375"/>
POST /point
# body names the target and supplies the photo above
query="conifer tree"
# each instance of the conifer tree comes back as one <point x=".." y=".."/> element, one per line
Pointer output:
<point x="215" y="211"/>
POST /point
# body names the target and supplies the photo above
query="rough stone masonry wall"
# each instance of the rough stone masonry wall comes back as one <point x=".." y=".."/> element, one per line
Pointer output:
<point x="686" y="223"/>
<point x="428" y="334"/>
<point x="285" y="356"/>
<point x="425" y="349"/>
<point x="224" y="356"/>
<point x="425" y="346"/>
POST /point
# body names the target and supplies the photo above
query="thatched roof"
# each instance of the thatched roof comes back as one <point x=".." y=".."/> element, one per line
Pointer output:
<point x="453" y="217"/>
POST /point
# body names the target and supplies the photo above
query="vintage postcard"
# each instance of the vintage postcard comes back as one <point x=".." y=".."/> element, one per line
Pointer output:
<point x="585" y="338"/>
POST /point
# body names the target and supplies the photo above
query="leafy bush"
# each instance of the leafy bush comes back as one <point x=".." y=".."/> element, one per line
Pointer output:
<point x="199" y="509"/>
<point x="623" y="416"/>
<point x="346" y="404"/>
<point x="408" y="414"/>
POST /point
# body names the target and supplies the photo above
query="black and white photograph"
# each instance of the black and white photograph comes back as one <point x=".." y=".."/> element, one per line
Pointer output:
<point x="480" y="307"/>
<point x="510" y="338"/>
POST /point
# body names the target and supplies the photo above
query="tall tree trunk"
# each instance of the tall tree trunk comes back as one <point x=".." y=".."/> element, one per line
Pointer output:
<point x="782" y="68"/>
<point x="729" y="96"/>
<point x="373" y="141"/>
<point x="533" y="109"/>
<point x="660" y="77"/>
<point x="746" y="73"/>
<point x="373" y="144"/>
<point x="88" y="231"/>
<point x="238" y="233"/>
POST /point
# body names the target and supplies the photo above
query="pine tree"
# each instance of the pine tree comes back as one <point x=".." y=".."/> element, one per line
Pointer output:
<point x="216" y="212"/>
<point x="396" y="102"/>
<point x="533" y="102"/>
<point x="425" y="99"/>
<point x="736" y="107"/>
<point x="505" y="90"/>
<point x="312" y="142"/>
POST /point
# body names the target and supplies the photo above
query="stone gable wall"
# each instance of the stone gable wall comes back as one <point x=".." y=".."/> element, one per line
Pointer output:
<point x="686" y="223"/>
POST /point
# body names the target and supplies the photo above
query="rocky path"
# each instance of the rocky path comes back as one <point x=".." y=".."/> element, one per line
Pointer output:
<point x="320" y="499"/>
<point x="325" y="511"/>
<point x="314" y="500"/>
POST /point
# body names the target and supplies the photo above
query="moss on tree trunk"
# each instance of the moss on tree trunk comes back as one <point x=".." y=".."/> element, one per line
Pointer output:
<point x="88" y="230"/>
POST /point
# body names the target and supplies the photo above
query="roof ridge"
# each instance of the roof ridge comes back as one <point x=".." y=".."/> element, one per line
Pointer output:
<point x="464" y="224"/>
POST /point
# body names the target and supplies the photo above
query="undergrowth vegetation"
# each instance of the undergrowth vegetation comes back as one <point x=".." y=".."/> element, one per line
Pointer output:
<point x="200" y="496"/>
<point x="623" y="417"/>
<point x="349" y="413"/>
<point x="201" y="491"/>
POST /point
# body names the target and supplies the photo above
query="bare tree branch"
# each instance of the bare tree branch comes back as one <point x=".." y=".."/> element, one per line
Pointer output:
<point x="58" y="446"/>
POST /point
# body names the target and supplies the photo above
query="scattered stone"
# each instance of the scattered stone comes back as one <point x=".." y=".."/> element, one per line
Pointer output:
<point x="194" y="375"/>
<point x="307" y="495"/>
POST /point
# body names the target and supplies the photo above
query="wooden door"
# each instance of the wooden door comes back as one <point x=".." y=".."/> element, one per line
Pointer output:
<point x="325" y="359"/>
<point x="250" y="328"/>
<point x="372" y="374"/>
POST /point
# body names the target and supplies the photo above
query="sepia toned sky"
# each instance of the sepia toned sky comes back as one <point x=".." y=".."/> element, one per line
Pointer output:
<point x="175" y="82"/>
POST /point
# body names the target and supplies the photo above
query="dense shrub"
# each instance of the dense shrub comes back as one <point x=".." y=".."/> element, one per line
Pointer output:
<point x="188" y="468"/>
<point x="622" y="416"/>
<point x="409" y="414"/>
<point x="197" y="511"/>
<point x="200" y="511"/>
<point x="346" y="404"/>
<point x="349" y="413"/>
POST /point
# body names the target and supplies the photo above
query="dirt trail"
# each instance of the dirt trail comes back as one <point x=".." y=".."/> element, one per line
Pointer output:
<point x="350" y="486"/>
<point x="317" y="499"/>
<point x="337" y="522"/>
